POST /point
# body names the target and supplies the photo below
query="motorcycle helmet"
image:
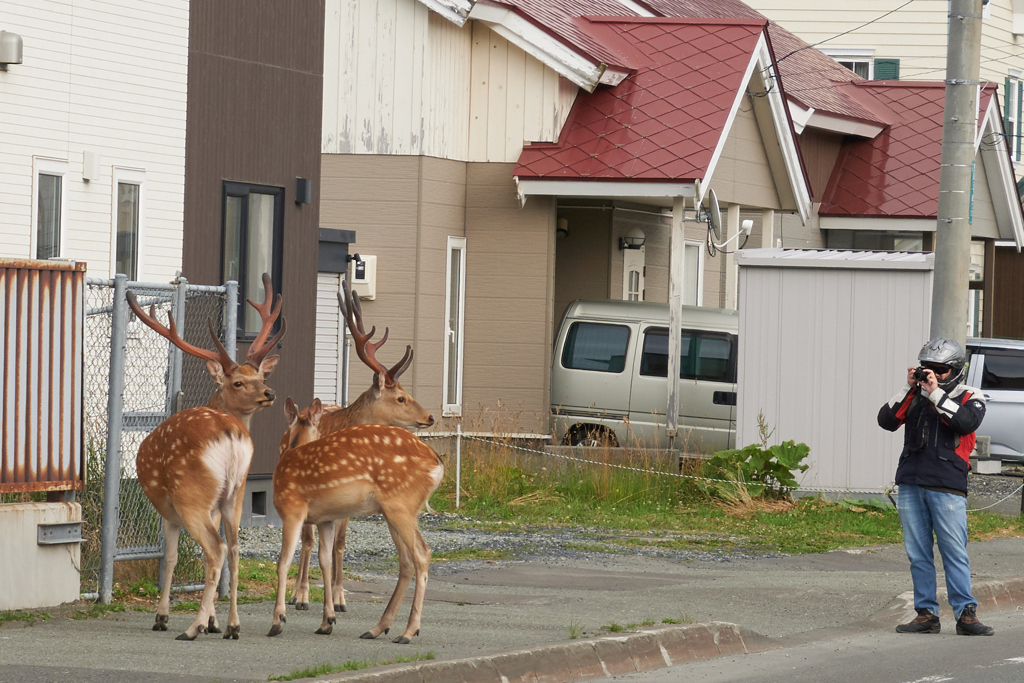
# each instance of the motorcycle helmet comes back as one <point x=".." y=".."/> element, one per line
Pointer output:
<point x="943" y="351"/>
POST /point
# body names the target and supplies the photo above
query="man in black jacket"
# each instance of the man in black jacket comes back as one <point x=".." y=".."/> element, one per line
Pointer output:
<point x="940" y="415"/>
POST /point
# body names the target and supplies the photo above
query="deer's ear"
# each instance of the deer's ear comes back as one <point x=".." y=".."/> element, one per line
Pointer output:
<point x="378" y="383"/>
<point x="268" y="364"/>
<point x="290" y="412"/>
<point x="316" y="411"/>
<point x="216" y="371"/>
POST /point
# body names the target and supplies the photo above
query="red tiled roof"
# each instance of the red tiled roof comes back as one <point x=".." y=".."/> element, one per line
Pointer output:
<point x="897" y="172"/>
<point x="663" y="122"/>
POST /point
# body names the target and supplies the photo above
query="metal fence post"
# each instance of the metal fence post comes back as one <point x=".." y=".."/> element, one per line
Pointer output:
<point x="458" y="462"/>
<point x="115" y="418"/>
<point x="231" y="344"/>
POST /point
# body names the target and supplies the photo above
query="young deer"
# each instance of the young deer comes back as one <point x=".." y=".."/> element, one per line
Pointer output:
<point x="384" y="403"/>
<point x="361" y="470"/>
<point x="194" y="465"/>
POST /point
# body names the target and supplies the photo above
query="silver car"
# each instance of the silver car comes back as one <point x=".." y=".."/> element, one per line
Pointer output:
<point x="997" y="368"/>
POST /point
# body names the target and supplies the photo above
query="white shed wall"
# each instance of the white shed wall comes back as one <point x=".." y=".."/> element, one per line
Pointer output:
<point x="399" y="79"/>
<point x="327" y="364"/>
<point x="820" y="350"/>
<point x="108" y="77"/>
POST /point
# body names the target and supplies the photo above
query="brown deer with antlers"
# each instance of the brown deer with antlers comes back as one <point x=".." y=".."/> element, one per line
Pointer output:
<point x="362" y="470"/>
<point x="384" y="403"/>
<point x="193" y="466"/>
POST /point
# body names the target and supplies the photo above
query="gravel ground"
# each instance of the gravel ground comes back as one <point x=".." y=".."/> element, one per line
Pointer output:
<point x="369" y="547"/>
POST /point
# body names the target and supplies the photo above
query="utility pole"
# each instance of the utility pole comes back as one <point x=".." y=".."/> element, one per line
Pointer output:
<point x="959" y="128"/>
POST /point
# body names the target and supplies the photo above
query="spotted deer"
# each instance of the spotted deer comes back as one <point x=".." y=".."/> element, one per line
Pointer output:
<point x="194" y="465"/>
<point x="384" y="403"/>
<point x="361" y="470"/>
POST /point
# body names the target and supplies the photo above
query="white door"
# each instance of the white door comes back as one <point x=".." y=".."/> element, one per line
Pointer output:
<point x="633" y="274"/>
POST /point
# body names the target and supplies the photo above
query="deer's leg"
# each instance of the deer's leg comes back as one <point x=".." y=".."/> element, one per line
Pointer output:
<point x="325" y="551"/>
<point x="203" y="530"/>
<point x="163" y="608"/>
<point x="232" y="518"/>
<point x="408" y="529"/>
<point x="291" y="528"/>
<point x="300" y="597"/>
<point x="338" y="590"/>
<point x="405" y="570"/>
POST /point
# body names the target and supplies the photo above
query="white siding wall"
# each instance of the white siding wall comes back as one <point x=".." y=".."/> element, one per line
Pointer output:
<point x="821" y="349"/>
<point x="326" y="383"/>
<point x="916" y="34"/>
<point x="107" y="77"/>
<point x="399" y="79"/>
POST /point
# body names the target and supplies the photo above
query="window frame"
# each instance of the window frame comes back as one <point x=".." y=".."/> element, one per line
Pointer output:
<point x="699" y="246"/>
<point x="233" y="188"/>
<point x="451" y="406"/>
<point x="854" y="56"/>
<point x="1013" y="95"/>
<point x="42" y="165"/>
<point x="698" y="335"/>
<point x="128" y="176"/>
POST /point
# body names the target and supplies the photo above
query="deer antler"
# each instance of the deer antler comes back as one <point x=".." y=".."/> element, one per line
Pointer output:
<point x="260" y="346"/>
<point x="401" y="366"/>
<point x="365" y="349"/>
<point x="220" y="356"/>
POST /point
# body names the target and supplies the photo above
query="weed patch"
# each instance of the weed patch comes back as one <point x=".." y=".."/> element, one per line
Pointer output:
<point x="350" y="665"/>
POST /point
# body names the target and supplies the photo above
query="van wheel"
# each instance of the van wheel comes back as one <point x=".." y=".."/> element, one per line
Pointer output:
<point x="591" y="436"/>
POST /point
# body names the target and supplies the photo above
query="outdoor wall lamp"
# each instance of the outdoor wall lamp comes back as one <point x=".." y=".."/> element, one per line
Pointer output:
<point x="10" y="49"/>
<point x="562" y="231"/>
<point x="633" y="239"/>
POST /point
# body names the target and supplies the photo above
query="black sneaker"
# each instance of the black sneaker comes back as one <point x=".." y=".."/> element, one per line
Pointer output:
<point x="924" y="622"/>
<point x="969" y="625"/>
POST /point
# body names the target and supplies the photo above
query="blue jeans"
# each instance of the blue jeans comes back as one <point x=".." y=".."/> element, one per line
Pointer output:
<point x="922" y="513"/>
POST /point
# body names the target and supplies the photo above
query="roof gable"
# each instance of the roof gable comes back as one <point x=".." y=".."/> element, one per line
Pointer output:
<point x="665" y="120"/>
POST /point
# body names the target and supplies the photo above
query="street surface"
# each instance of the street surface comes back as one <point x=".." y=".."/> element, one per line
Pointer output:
<point x="878" y="657"/>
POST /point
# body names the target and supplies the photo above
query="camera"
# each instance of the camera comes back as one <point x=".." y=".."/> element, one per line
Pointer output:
<point x="920" y="375"/>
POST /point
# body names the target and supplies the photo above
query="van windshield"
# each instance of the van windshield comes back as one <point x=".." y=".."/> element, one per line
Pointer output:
<point x="593" y="346"/>
<point x="705" y="355"/>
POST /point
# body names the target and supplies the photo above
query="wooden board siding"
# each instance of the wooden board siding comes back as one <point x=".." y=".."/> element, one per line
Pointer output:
<point x="743" y="174"/>
<point x="401" y="80"/>
<point x="254" y="116"/>
<point x="819" y="150"/>
<point x="1007" y="320"/>
<point x="509" y="301"/>
<point x="106" y="77"/>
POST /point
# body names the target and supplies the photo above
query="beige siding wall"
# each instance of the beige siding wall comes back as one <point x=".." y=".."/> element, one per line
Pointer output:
<point x="403" y="209"/>
<point x="743" y="174"/>
<point x="399" y="79"/>
<point x="583" y="258"/>
<point x="983" y="217"/>
<point x="509" y="302"/>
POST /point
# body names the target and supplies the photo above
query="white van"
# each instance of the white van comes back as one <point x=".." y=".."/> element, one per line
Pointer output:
<point x="609" y="370"/>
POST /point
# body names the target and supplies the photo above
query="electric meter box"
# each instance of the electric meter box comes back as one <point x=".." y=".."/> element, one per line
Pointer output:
<point x="362" y="277"/>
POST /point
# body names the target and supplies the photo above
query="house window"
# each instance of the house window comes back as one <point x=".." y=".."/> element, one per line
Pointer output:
<point x="454" y="321"/>
<point x="49" y="208"/>
<point x="253" y="234"/>
<point x="859" y="61"/>
<point x="127" y="187"/>
<point x="976" y="290"/>
<point x="633" y="274"/>
<point x="693" y="270"/>
<point x="1013" y="98"/>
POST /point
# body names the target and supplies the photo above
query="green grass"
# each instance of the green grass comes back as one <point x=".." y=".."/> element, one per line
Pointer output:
<point x="350" y="665"/>
<point x="469" y="554"/>
<point x="505" y="491"/>
<point x="97" y="610"/>
<point x="27" y="617"/>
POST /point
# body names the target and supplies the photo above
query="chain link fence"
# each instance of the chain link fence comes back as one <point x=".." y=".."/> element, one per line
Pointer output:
<point x="157" y="380"/>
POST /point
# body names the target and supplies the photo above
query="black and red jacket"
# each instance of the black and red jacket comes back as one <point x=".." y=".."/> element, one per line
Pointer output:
<point x="939" y="434"/>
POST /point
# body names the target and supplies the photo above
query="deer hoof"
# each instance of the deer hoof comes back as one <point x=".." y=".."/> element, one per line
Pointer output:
<point x="161" y="622"/>
<point x="367" y="636"/>
<point x="325" y="630"/>
<point x="212" y="626"/>
<point x="291" y="601"/>
<point x="232" y="632"/>
<point x="303" y="606"/>
<point x="275" y="629"/>
<point x="340" y="608"/>
<point x="401" y="640"/>
<point x="186" y="636"/>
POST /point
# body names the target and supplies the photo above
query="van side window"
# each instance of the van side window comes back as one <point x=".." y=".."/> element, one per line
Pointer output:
<point x="593" y="346"/>
<point x="705" y="355"/>
<point x="1003" y="371"/>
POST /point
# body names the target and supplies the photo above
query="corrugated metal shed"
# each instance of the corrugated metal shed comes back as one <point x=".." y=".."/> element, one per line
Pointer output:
<point x="42" y="319"/>
<point x="825" y="340"/>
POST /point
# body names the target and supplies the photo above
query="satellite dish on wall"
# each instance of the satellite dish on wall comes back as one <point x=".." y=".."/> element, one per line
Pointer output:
<point x="714" y="215"/>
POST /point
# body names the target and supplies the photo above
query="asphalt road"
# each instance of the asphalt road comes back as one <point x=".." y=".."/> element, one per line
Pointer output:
<point x="878" y="657"/>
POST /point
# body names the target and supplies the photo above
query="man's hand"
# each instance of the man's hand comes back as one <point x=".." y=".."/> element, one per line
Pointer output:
<point x="930" y="383"/>
<point x="910" y="376"/>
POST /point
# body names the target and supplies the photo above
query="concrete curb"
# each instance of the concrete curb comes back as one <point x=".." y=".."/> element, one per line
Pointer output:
<point x="993" y="596"/>
<point x="653" y="648"/>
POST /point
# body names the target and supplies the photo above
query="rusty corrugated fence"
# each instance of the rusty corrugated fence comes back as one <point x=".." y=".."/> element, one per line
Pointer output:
<point x="42" y="319"/>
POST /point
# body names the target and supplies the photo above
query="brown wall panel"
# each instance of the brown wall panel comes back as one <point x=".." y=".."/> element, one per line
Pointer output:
<point x="255" y="84"/>
<point x="819" y="150"/>
<point x="1007" y="316"/>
